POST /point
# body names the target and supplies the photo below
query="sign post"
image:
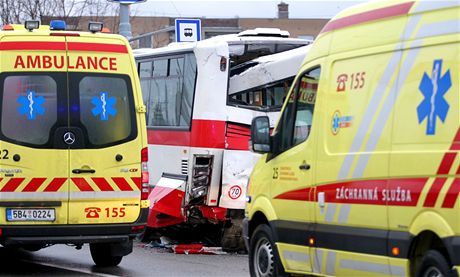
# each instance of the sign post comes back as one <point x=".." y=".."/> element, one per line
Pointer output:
<point x="125" y="26"/>
<point x="188" y="30"/>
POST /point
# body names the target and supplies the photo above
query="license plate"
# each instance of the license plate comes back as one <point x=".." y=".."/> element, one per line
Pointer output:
<point x="30" y="214"/>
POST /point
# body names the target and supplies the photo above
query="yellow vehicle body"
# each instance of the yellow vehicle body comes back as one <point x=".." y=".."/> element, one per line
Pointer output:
<point x="370" y="187"/>
<point x="72" y="132"/>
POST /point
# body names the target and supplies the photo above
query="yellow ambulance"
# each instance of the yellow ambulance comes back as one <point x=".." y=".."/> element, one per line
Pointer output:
<point x="73" y="153"/>
<point x="361" y="175"/>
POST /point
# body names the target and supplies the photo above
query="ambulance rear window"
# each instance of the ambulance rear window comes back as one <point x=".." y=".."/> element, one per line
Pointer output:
<point x="28" y="102"/>
<point x="106" y="108"/>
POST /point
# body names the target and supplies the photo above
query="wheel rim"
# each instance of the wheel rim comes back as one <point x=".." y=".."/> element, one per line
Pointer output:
<point x="264" y="259"/>
<point x="432" y="271"/>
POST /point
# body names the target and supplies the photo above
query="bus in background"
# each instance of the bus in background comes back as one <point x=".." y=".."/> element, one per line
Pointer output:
<point x="201" y="98"/>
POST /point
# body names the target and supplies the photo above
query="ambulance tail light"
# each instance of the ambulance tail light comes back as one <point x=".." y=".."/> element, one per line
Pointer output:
<point x="31" y="25"/>
<point x="145" y="188"/>
<point x="8" y="27"/>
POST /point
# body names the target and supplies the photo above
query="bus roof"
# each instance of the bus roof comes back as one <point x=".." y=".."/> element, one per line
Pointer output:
<point x="258" y="35"/>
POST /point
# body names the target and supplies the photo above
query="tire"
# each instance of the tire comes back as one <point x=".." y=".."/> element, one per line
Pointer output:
<point x="100" y="252"/>
<point x="434" y="265"/>
<point x="264" y="260"/>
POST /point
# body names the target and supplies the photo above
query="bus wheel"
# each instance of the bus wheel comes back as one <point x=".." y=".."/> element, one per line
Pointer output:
<point x="434" y="265"/>
<point x="263" y="260"/>
<point x="100" y="252"/>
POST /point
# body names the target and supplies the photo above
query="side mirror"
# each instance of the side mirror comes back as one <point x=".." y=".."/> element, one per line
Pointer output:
<point x="260" y="134"/>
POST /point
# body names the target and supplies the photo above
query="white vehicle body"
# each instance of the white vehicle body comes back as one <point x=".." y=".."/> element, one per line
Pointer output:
<point x="201" y="98"/>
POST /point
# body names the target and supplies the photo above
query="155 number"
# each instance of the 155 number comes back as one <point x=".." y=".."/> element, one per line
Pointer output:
<point x="115" y="212"/>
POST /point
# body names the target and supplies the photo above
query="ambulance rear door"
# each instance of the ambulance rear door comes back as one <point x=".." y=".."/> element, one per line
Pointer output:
<point x="33" y="100"/>
<point x="105" y="156"/>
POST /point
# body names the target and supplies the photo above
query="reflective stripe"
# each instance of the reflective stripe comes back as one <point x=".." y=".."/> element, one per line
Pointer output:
<point x="64" y="195"/>
<point x="431" y="5"/>
<point x="122" y="183"/>
<point x="410" y="27"/>
<point x="296" y="256"/>
<point x="377" y="97"/>
<point x="330" y="212"/>
<point x="330" y="265"/>
<point x="384" y="114"/>
<point x="318" y="259"/>
<point x="368" y="115"/>
<point x="34" y="195"/>
<point x="397" y="271"/>
<point x="438" y="29"/>
<point x="365" y="266"/>
<point x="344" y="213"/>
<point x="105" y="194"/>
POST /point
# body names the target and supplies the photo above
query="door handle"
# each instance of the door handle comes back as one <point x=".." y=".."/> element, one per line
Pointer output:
<point x="80" y="171"/>
<point x="304" y="166"/>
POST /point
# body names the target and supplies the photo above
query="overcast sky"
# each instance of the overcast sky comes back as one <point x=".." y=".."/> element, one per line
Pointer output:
<point x="240" y="8"/>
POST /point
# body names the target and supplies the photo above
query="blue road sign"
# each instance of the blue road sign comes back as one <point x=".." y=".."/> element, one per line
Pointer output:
<point x="188" y="30"/>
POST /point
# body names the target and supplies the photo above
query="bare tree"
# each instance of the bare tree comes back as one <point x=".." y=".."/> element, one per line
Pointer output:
<point x="10" y="11"/>
<point x="17" y="11"/>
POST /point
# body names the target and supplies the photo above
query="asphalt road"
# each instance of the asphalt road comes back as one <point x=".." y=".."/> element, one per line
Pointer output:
<point x="61" y="260"/>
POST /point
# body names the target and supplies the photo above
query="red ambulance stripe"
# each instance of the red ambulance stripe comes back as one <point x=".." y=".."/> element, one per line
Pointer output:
<point x="32" y="45"/>
<point x="433" y="194"/>
<point x="299" y="195"/>
<point x="446" y="163"/>
<point x="122" y="183"/>
<point x="82" y="184"/>
<point x="393" y="192"/>
<point x="444" y="168"/>
<point x="96" y="47"/>
<point x="456" y="142"/>
<point x="452" y="194"/>
<point x="102" y="184"/>
<point x="400" y="9"/>
<point x="34" y="184"/>
<point x="12" y="184"/>
<point x="55" y="184"/>
<point x="137" y="181"/>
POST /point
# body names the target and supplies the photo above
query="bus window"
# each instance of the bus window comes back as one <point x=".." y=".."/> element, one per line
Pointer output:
<point x="269" y="97"/>
<point x="168" y="92"/>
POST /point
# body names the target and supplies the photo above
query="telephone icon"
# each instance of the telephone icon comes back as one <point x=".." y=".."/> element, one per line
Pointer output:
<point x="342" y="82"/>
<point x="92" y="212"/>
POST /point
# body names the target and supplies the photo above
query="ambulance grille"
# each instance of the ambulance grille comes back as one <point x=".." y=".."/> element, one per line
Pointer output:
<point x="184" y="166"/>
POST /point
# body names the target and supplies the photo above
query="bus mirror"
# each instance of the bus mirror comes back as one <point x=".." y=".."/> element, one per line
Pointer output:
<point x="260" y="134"/>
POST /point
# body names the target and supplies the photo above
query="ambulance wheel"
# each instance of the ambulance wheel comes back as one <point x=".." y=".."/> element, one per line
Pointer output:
<point x="434" y="265"/>
<point x="100" y="252"/>
<point x="263" y="255"/>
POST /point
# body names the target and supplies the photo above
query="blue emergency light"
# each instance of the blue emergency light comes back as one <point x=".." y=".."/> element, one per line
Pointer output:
<point x="57" y="25"/>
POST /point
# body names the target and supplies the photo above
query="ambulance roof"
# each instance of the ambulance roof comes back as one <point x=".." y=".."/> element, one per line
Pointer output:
<point x="371" y="24"/>
<point x="20" y="30"/>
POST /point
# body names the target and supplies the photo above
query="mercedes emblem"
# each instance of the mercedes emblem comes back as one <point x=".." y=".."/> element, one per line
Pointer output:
<point x="69" y="138"/>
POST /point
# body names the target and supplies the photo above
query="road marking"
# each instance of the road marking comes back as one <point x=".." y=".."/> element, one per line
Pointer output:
<point x="69" y="268"/>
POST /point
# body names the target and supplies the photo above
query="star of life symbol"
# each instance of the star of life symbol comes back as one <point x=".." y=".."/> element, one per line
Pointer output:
<point x="104" y="106"/>
<point x="31" y="105"/>
<point x="433" y="89"/>
<point x="335" y="123"/>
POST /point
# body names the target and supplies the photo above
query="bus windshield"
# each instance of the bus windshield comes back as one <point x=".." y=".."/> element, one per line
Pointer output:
<point x="262" y="83"/>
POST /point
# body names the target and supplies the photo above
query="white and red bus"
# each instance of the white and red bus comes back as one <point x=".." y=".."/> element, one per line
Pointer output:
<point x="201" y="98"/>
